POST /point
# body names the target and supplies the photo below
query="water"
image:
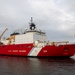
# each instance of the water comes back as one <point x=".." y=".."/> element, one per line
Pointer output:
<point x="36" y="66"/>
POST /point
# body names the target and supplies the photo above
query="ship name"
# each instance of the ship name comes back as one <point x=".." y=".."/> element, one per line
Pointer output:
<point x="16" y="50"/>
<point x="45" y="51"/>
<point x="22" y="50"/>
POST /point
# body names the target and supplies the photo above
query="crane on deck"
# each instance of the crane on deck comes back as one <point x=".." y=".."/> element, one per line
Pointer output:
<point x="3" y="33"/>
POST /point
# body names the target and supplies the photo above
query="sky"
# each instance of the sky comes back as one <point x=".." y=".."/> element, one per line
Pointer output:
<point x="55" y="17"/>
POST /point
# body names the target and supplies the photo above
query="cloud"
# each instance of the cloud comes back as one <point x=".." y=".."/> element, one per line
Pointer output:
<point x="56" y="17"/>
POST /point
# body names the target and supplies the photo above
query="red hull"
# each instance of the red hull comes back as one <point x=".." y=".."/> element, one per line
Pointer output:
<point x="20" y="50"/>
<point x="62" y="50"/>
<point x="24" y="49"/>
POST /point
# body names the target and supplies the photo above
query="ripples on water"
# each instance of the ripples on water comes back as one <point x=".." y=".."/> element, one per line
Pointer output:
<point x="36" y="66"/>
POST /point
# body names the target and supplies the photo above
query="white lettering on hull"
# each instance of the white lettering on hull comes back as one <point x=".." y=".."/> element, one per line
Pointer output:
<point x="16" y="50"/>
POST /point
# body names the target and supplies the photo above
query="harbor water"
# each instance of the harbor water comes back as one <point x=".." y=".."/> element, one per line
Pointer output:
<point x="36" y="66"/>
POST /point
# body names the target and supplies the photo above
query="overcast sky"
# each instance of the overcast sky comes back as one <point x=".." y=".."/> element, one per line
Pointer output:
<point x="55" y="17"/>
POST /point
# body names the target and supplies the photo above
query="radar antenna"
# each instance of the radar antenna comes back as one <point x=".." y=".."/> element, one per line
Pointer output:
<point x="31" y="19"/>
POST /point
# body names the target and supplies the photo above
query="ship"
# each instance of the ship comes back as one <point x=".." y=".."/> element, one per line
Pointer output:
<point x="34" y="43"/>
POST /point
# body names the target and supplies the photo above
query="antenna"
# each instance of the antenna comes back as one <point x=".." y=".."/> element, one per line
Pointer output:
<point x="31" y="19"/>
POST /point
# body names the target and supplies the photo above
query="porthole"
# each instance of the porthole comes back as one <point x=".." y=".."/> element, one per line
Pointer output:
<point x="17" y="46"/>
<point x="2" y="46"/>
<point x="29" y="46"/>
<point x="23" y="46"/>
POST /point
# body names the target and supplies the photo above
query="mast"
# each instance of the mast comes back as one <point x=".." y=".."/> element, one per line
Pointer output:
<point x="32" y="25"/>
<point x="31" y="19"/>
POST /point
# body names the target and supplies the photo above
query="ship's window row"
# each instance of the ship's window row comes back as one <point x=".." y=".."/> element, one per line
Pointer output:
<point x="23" y="46"/>
<point x="20" y="46"/>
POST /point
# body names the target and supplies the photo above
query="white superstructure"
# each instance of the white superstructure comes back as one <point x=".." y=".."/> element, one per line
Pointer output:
<point x="31" y="35"/>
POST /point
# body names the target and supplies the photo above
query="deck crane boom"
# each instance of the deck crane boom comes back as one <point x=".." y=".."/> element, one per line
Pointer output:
<point x="3" y="33"/>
